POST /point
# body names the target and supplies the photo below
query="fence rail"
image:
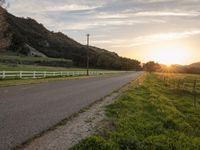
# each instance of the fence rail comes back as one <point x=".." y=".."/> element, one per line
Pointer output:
<point x="45" y="74"/>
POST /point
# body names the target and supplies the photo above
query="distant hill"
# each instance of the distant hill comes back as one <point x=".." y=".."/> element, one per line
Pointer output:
<point x="193" y="68"/>
<point x="26" y="36"/>
<point x="195" y="65"/>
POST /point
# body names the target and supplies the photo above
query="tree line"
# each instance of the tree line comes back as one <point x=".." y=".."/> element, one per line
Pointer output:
<point x="105" y="60"/>
<point x="152" y="66"/>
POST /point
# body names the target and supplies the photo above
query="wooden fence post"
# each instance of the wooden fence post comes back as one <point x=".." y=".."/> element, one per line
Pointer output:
<point x="179" y="82"/>
<point x="3" y="75"/>
<point x="194" y="92"/>
<point x="20" y="74"/>
<point x="34" y="76"/>
<point x="45" y="74"/>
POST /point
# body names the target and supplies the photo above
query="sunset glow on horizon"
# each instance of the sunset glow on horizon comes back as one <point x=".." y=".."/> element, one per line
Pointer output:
<point x="170" y="55"/>
<point x="171" y="52"/>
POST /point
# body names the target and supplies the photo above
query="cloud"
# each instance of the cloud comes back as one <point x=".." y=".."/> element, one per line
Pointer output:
<point x="160" y="13"/>
<point x="170" y="36"/>
<point x="104" y="15"/>
<point x="70" y="7"/>
<point x="150" y="39"/>
<point x="91" y="25"/>
<point x="155" y="38"/>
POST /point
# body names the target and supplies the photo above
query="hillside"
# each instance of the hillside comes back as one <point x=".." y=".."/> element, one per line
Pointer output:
<point x="27" y="37"/>
<point x="195" y="65"/>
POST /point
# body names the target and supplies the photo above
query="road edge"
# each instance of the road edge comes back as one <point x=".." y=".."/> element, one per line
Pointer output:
<point x="65" y="121"/>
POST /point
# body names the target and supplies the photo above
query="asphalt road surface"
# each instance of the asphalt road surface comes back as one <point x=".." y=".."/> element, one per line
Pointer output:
<point x="27" y="110"/>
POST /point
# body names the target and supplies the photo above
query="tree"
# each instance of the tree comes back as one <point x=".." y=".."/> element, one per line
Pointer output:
<point x="151" y="66"/>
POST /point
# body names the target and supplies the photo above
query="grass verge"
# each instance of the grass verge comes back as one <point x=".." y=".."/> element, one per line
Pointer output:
<point x="149" y="116"/>
<point x="6" y="83"/>
<point x="19" y="67"/>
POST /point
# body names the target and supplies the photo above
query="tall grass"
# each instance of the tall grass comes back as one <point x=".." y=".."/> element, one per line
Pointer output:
<point x="152" y="116"/>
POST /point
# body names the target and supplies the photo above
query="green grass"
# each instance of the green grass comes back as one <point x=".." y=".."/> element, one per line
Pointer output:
<point x="152" y="116"/>
<point x="10" y="67"/>
<point x="14" y="82"/>
<point x="29" y="58"/>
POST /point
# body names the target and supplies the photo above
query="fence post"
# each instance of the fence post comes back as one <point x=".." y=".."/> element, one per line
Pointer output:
<point x="3" y="75"/>
<point x="20" y="74"/>
<point x="194" y="92"/>
<point x="45" y="74"/>
<point x="34" y="75"/>
<point x="183" y="84"/>
<point x="178" y="86"/>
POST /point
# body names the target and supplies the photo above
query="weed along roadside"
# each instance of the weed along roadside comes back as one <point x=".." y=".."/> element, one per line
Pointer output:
<point x="152" y="115"/>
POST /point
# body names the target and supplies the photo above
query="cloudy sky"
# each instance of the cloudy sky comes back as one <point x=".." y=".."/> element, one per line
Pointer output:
<point x="141" y="29"/>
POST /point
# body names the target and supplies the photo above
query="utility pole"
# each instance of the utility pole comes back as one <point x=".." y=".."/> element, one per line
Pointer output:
<point x="88" y="40"/>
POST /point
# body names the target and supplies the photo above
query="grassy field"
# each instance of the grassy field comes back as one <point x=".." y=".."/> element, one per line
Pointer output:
<point x="27" y="60"/>
<point x="9" y="67"/>
<point x="151" y="116"/>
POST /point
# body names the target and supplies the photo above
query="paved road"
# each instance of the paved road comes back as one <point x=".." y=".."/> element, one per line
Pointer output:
<point x="29" y="109"/>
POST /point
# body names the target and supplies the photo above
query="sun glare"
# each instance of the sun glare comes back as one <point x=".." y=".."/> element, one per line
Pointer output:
<point x="170" y="55"/>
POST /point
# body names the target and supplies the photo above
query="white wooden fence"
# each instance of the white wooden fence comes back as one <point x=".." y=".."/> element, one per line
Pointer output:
<point x="45" y="74"/>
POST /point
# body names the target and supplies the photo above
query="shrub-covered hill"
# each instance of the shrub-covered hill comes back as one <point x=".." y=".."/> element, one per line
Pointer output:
<point x="23" y="35"/>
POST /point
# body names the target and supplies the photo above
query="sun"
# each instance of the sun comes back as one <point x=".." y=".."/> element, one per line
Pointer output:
<point x="169" y="55"/>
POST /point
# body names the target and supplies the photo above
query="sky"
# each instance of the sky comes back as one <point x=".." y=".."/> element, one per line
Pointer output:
<point x="166" y="31"/>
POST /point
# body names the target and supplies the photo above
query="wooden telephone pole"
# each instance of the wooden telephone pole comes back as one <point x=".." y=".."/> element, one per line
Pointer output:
<point x="88" y="40"/>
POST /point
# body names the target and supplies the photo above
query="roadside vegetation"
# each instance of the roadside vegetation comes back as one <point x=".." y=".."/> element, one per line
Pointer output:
<point x="12" y="67"/>
<point x="14" y="82"/>
<point x="150" y="116"/>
